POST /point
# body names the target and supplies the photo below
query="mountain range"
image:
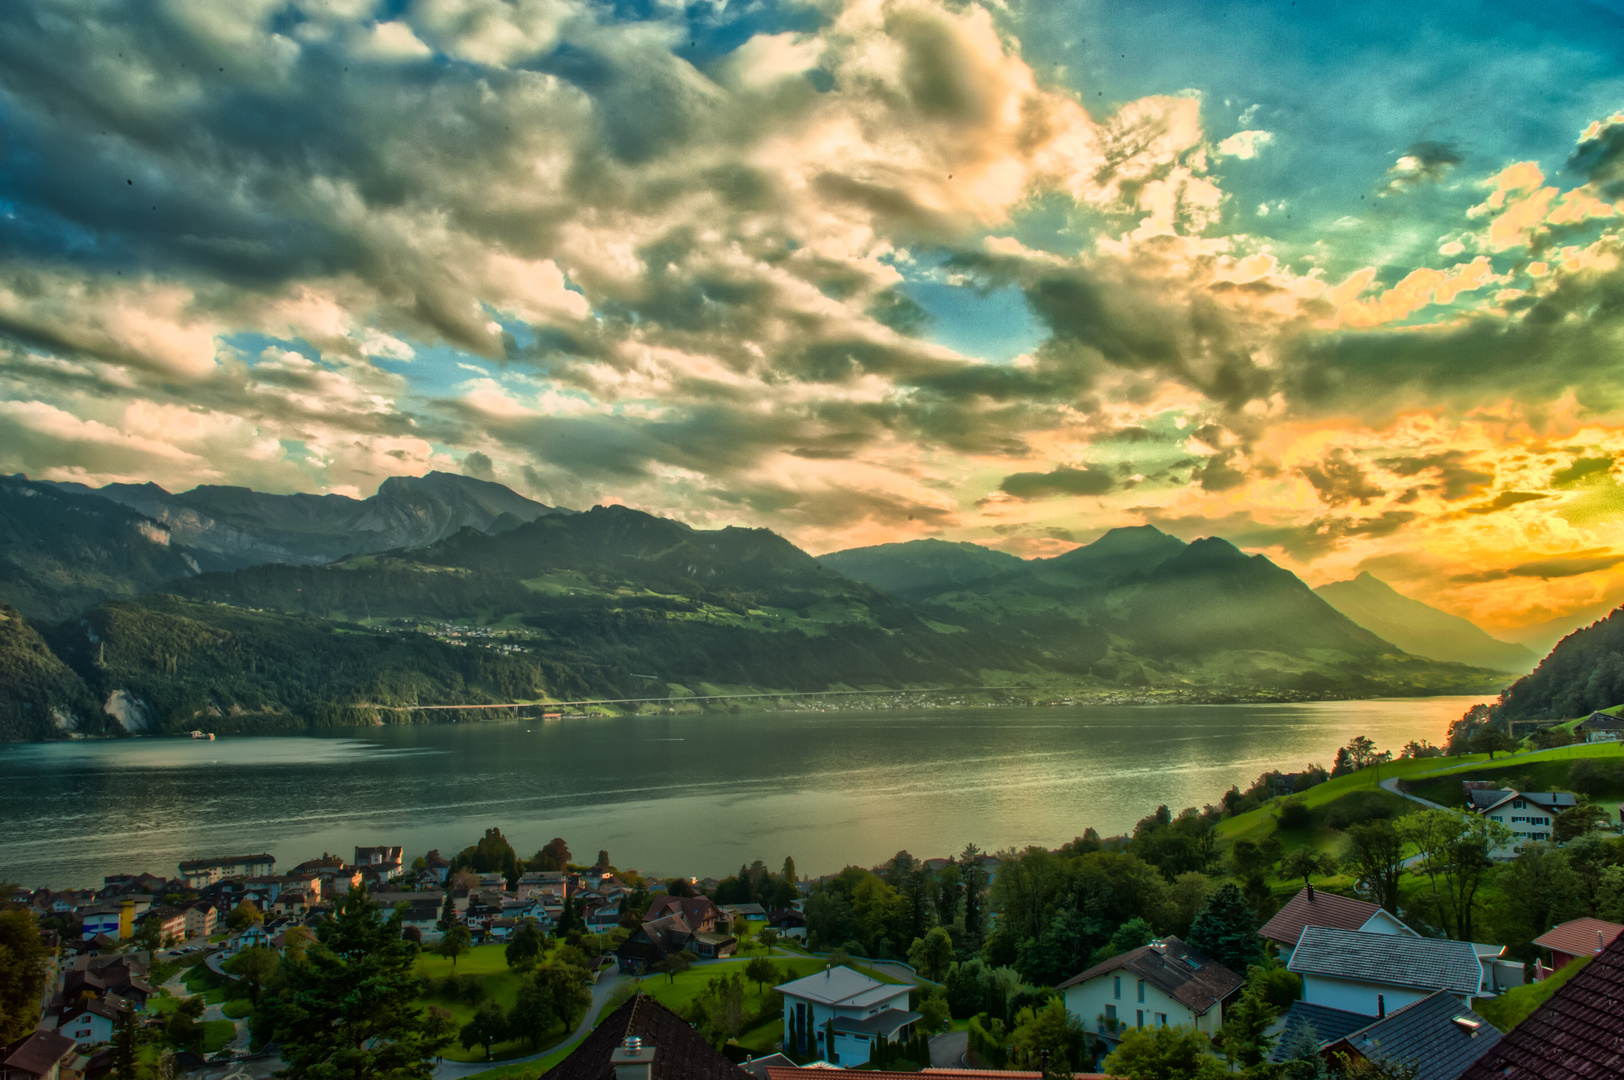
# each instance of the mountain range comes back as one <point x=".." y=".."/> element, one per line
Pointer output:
<point x="135" y="609"/>
<point x="1421" y="629"/>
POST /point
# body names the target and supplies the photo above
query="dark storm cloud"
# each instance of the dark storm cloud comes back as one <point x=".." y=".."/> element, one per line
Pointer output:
<point x="1340" y="481"/>
<point x="1061" y="481"/>
<point x="1455" y="480"/>
<point x="1560" y="567"/>
<point x="1505" y="501"/>
<point x="1600" y="160"/>
<point x="1581" y="468"/>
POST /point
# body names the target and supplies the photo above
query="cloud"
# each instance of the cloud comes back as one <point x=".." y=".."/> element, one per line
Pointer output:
<point x="1061" y="481"/>
<point x="1505" y="501"/>
<point x="1423" y="163"/>
<point x="1340" y="481"/>
<point x="1580" y="469"/>
<point x="1244" y="144"/>
<point x="478" y="465"/>
<point x="1562" y="566"/>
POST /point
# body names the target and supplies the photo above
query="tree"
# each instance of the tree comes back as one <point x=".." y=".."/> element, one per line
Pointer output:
<point x="1376" y="856"/>
<point x="256" y="966"/>
<point x="788" y="873"/>
<point x="532" y="1016"/>
<point x="458" y="941"/>
<point x="768" y="936"/>
<point x="566" y="988"/>
<point x="719" y="1008"/>
<point x="761" y="971"/>
<point x="448" y="914"/>
<point x="1575" y="821"/>
<point x="126" y="1044"/>
<point x="1301" y="1056"/>
<point x="1454" y="855"/>
<point x="932" y="954"/>
<point x="1361" y="752"/>
<point x="1304" y="862"/>
<point x="1185" y="898"/>
<point x="1226" y="931"/>
<point x="525" y="946"/>
<point x="350" y="1008"/>
<point x="675" y="964"/>
<point x="148" y="936"/>
<point x="493" y="854"/>
<point x="567" y="919"/>
<point x="554" y="855"/>
<point x="1050" y="1032"/>
<point x="934" y="1012"/>
<point x="243" y="916"/>
<point x="1490" y="740"/>
<point x="1244" y="1036"/>
<point x="488" y="1027"/>
<point x="181" y="1028"/>
<point x="975" y="883"/>
<point x="1163" y="1053"/>
<point x="23" y="973"/>
<point x="603" y="860"/>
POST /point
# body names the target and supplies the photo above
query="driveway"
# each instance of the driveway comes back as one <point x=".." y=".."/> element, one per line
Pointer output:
<point x="947" y="1050"/>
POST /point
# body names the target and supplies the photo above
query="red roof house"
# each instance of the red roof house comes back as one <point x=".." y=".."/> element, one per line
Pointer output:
<point x="1581" y="937"/>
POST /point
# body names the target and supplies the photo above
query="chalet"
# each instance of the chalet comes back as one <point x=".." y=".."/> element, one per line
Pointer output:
<point x="840" y="1014"/>
<point x="1530" y="815"/>
<point x="382" y="863"/>
<point x="39" y="1055"/>
<point x="1318" y="908"/>
<point x="1436" y="1036"/>
<point x="789" y="922"/>
<point x="1600" y="727"/>
<point x="1574" y="1034"/>
<point x="1164" y="984"/>
<point x="697" y="911"/>
<point x="644" y="1040"/>
<point x="1567" y="942"/>
<point x="1371" y="974"/>
<point x="90" y="1023"/>
<point x="200" y="872"/>
<point x="659" y="938"/>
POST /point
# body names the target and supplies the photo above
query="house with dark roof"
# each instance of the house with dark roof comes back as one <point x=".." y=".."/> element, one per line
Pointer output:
<point x="1375" y="974"/>
<point x="1322" y="1024"/>
<point x="1579" y="937"/>
<point x="840" y="1015"/>
<point x="1600" y="727"/>
<point x="1530" y="815"/>
<point x="659" y="938"/>
<point x="644" y="1040"/>
<point x="1311" y="907"/>
<point x="697" y="911"/>
<point x="1574" y="1035"/>
<point x="90" y="1022"/>
<point x="39" y="1055"/>
<point x="1164" y="984"/>
<point x="1437" y="1036"/>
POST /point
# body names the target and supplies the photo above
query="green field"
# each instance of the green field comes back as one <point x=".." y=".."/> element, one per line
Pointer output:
<point x="216" y="1034"/>
<point x="1524" y="776"/>
<point x="487" y="964"/>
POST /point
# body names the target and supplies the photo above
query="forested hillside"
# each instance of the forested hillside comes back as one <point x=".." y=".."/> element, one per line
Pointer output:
<point x="40" y="696"/>
<point x="1585" y="672"/>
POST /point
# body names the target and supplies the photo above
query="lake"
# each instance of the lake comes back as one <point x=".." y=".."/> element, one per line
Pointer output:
<point x="665" y="794"/>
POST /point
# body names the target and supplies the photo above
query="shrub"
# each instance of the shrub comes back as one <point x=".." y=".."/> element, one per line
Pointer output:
<point x="1293" y="814"/>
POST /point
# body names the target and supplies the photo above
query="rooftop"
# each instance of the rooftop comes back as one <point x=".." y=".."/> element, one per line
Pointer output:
<point x="1315" y="907"/>
<point x="1575" y="1035"/>
<point x="35" y="1053"/>
<point x="1327" y="1024"/>
<point x="680" y="1052"/>
<point x="1581" y="937"/>
<point x="840" y="986"/>
<point x="1436" y="1036"/>
<point x="1429" y="963"/>
<point x="1188" y="975"/>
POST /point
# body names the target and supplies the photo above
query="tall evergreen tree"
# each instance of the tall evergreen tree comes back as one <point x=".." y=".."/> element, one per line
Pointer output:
<point x="1226" y="931"/>
<point x="126" y="1045"/>
<point x="349" y="1010"/>
<point x="22" y="973"/>
<point x="448" y="914"/>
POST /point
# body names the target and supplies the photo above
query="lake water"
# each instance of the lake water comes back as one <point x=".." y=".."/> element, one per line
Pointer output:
<point x="696" y="795"/>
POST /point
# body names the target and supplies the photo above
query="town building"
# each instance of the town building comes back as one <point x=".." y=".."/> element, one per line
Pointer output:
<point x="1375" y="974"/>
<point x="39" y="1055"/>
<point x="697" y="911"/>
<point x="382" y="863"/>
<point x="839" y="1014"/>
<point x="1565" y="943"/>
<point x="1530" y="815"/>
<point x="200" y="872"/>
<point x="1164" y="984"/>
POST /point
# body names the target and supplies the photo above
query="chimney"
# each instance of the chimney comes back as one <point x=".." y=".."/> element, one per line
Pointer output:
<point x="1601" y="942"/>
<point x="1381" y="1007"/>
<point x="1310" y="892"/>
<point x="632" y="1060"/>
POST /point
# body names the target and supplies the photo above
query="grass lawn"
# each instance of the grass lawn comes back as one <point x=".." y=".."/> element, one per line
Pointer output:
<point x="216" y="989"/>
<point x="678" y="994"/>
<point x="216" y="1034"/>
<point x="1543" y="775"/>
<point x="239" y="1009"/>
<point x="1512" y="1007"/>
<point x="488" y="964"/>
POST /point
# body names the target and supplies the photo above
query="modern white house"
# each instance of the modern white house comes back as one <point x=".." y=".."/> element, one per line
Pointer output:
<point x="1164" y="984"/>
<point x="1315" y="908"/>
<point x="839" y="1014"/>
<point x="1375" y="974"/>
<point x="1530" y="815"/>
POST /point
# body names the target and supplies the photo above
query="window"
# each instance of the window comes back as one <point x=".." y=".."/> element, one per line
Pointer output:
<point x="1161" y="1019"/>
<point x="1139" y="1018"/>
<point x="1110" y="1012"/>
<point x="1141" y="990"/>
<point x="1117" y="992"/>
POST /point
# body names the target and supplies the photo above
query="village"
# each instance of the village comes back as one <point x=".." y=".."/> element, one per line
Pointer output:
<point x="915" y="964"/>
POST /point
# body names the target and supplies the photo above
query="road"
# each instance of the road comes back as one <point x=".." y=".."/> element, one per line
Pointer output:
<point x="601" y="993"/>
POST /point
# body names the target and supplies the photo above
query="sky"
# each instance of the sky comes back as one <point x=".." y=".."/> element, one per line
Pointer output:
<point x="1340" y="283"/>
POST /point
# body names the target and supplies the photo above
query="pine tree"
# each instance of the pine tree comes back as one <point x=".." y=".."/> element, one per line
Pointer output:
<point x="126" y="1045"/>
<point x="448" y="913"/>
<point x="1225" y="930"/>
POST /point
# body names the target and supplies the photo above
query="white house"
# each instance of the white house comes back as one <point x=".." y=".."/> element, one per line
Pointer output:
<point x="1529" y="815"/>
<point x="1371" y="974"/>
<point x="90" y="1024"/>
<point x="1163" y="984"/>
<point x="1314" y="908"/>
<point x="839" y="1014"/>
<point x="382" y="862"/>
<point x="201" y="872"/>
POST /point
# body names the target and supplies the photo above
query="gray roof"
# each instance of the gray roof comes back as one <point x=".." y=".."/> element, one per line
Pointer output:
<point x="1556" y="800"/>
<point x="841" y="986"/>
<point x="1437" y="1035"/>
<point x="1187" y="975"/>
<point x="1328" y="1025"/>
<point x="885" y="1024"/>
<point x="1393" y="960"/>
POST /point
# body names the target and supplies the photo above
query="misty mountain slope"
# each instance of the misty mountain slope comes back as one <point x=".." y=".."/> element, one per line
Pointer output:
<point x="1420" y="629"/>
<point x="60" y="552"/>
<point x="1584" y="673"/>
<point x="40" y="696"/>
<point x="921" y="568"/>
<point x="250" y="527"/>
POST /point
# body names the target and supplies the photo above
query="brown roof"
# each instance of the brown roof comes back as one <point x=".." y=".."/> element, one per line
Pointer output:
<point x="1185" y="974"/>
<point x="36" y="1053"/>
<point x="1575" y="1035"/>
<point x="1581" y="937"/>
<point x="680" y="1052"/>
<point x="693" y="909"/>
<point x="1316" y="908"/>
